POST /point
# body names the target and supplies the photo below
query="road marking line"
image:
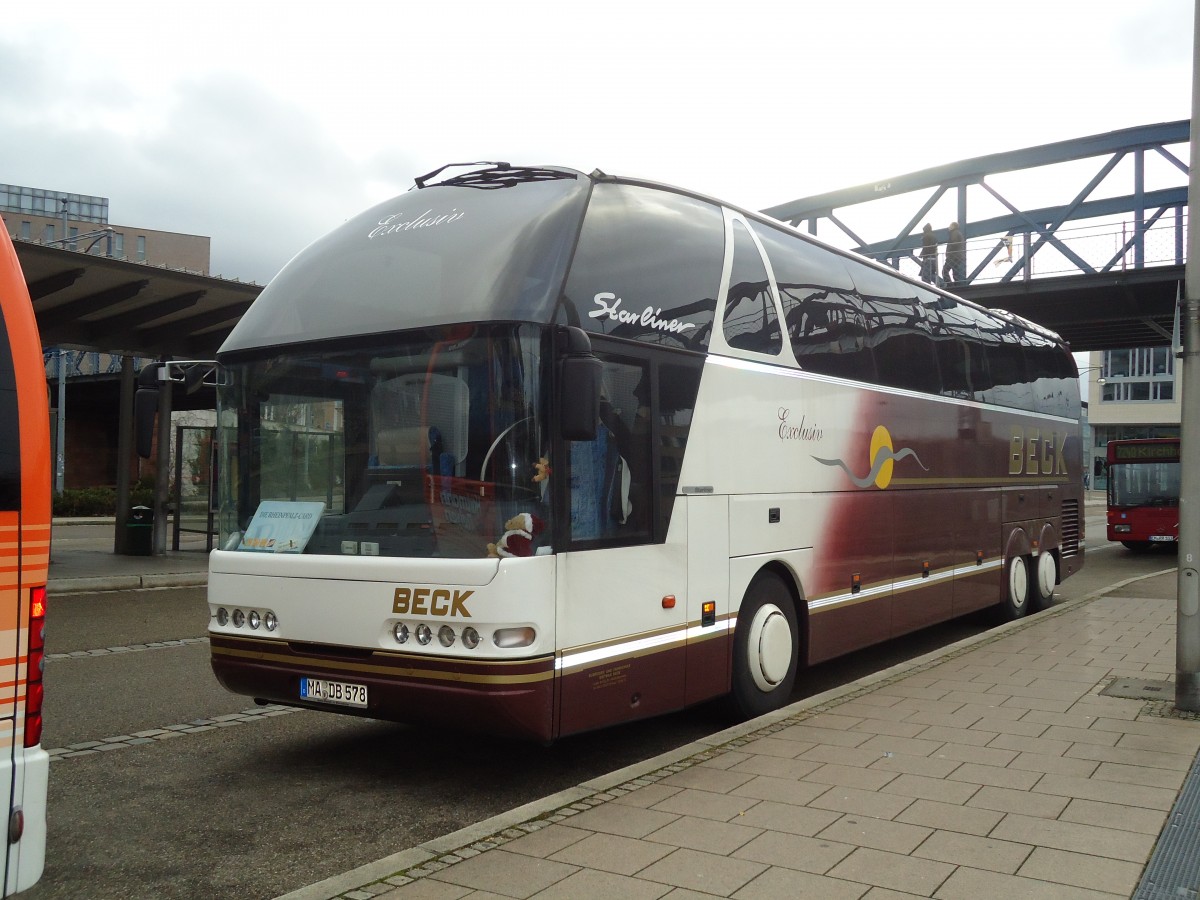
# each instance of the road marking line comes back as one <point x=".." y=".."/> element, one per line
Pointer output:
<point x="166" y="733"/>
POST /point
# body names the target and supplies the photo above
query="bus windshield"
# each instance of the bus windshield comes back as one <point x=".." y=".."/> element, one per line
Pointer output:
<point x="422" y="445"/>
<point x="1144" y="484"/>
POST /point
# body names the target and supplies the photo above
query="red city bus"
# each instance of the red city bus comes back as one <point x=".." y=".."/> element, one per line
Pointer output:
<point x="1143" y="492"/>
<point x="24" y="560"/>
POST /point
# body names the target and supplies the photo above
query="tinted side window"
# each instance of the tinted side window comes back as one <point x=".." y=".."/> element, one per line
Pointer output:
<point x="1010" y="384"/>
<point x="954" y="362"/>
<point x="903" y="349"/>
<point x="623" y="484"/>
<point x="821" y="315"/>
<point x="610" y="476"/>
<point x="899" y="337"/>
<point x="750" y="320"/>
<point x="676" y="385"/>
<point x="960" y="354"/>
<point x="1052" y="372"/>
<point x="648" y="267"/>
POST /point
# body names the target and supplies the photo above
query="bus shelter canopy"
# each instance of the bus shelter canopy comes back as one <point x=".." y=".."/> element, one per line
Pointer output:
<point x="116" y="306"/>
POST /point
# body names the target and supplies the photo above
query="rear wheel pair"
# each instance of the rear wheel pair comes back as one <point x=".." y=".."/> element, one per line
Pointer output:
<point x="1026" y="589"/>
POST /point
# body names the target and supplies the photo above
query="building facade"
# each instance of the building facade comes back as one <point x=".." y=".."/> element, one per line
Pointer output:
<point x="1131" y="394"/>
<point x="80" y="222"/>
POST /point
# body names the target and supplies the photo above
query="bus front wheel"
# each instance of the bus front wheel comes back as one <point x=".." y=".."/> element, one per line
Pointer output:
<point x="765" y="649"/>
<point x="1016" y="589"/>
<point x="1044" y="579"/>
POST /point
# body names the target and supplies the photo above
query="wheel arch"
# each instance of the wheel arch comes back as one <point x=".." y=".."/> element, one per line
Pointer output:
<point x="1017" y="543"/>
<point x="1050" y="542"/>
<point x="789" y="569"/>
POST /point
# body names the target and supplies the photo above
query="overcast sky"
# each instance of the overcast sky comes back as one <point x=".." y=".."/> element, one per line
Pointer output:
<point x="266" y="124"/>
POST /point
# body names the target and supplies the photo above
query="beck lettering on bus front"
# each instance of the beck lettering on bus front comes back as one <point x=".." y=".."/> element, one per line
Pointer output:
<point x="427" y="601"/>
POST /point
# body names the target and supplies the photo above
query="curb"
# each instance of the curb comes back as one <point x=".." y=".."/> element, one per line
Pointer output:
<point x="105" y="583"/>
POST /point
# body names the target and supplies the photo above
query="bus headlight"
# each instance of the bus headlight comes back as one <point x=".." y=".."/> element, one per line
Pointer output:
<point x="239" y="618"/>
<point x="222" y="616"/>
<point x="514" y="637"/>
<point x="424" y="635"/>
<point x="470" y="638"/>
<point x="254" y="619"/>
<point x="271" y="621"/>
<point x="446" y="635"/>
<point x="1122" y="529"/>
<point x="400" y="633"/>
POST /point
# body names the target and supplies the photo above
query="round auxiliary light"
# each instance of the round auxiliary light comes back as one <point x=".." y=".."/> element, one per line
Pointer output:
<point x="222" y="616"/>
<point x="400" y="633"/>
<point x="254" y="618"/>
<point x="470" y="638"/>
<point x="424" y="635"/>
<point x="239" y="618"/>
<point x="445" y="635"/>
<point x="271" y="621"/>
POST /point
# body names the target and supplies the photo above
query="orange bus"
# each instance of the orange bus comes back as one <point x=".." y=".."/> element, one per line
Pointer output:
<point x="24" y="559"/>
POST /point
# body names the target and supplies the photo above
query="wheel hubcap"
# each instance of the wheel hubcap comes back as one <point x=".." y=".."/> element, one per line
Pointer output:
<point x="1046" y="573"/>
<point x="770" y="645"/>
<point x="1018" y="583"/>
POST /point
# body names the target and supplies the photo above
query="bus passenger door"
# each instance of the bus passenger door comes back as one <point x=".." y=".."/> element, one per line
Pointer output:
<point x="708" y="645"/>
<point x="621" y="642"/>
<point x="621" y="608"/>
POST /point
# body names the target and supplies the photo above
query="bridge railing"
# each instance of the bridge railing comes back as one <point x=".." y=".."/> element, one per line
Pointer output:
<point x="1088" y="249"/>
<point x="1074" y="251"/>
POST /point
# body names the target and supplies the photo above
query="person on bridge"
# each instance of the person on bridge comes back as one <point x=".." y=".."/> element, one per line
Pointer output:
<point x="929" y="254"/>
<point x="955" y="268"/>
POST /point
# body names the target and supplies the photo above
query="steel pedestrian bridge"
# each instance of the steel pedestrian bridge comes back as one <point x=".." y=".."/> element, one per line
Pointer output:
<point x="1103" y="266"/>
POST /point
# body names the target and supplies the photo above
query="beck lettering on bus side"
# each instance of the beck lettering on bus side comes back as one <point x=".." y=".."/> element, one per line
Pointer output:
<point x="1034" y="452"/>
<point x="424" y="601"/>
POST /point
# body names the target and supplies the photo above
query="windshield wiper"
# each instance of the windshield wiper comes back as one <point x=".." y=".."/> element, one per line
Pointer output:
<point x="500" y="175"/>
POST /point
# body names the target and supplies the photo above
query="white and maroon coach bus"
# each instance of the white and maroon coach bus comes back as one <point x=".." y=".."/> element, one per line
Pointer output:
<point x="530" y="451"/>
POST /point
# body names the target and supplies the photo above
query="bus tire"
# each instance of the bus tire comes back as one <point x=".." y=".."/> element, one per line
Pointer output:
<point x="1016" y="589"/>
<point x="766" y="647"/>
<point x="1045" y="577"/>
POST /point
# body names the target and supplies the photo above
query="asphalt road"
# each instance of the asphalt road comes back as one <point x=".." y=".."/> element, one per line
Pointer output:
<point x="259" y="808"/>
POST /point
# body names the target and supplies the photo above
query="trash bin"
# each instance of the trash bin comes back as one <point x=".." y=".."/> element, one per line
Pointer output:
<point x="139" y="531"/>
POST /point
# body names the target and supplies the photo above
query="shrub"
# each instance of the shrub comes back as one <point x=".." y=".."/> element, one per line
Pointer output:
<point x="100" y="501"/>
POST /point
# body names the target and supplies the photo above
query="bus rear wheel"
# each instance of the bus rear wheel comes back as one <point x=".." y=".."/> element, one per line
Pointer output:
<point x="1044" y="579"/>
<point x="1016" y="589"/>
<point x="765" y="648"/>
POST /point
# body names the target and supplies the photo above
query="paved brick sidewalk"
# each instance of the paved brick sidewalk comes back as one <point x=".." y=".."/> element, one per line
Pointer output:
<point x="994" y="768"/>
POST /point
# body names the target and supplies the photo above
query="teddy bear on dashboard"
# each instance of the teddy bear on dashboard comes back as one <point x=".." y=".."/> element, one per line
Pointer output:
<point x="517" y="540"/>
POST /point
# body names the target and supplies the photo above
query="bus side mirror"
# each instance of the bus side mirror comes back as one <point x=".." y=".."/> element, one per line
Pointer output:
<point x="579" y="387"/>
<point x="145" y="408"/>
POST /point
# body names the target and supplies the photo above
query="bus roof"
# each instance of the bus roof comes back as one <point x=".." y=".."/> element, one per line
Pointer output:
<point x="492" y="243"/>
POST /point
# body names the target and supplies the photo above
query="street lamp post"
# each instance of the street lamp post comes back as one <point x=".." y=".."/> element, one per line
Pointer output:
<point x="1187" y="627"/>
